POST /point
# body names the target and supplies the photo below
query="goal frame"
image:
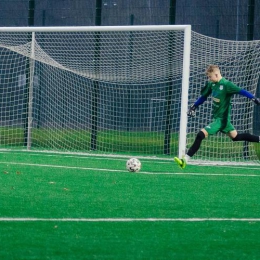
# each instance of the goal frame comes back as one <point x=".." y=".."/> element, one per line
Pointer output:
<point x="185" y="68"/>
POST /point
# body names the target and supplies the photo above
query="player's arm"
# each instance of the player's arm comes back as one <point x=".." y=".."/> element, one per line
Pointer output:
<point x="250" y="96"/>
<point x="193" y="107"/>
<point x="234" y="89"/>
<point x="205" y="92"/>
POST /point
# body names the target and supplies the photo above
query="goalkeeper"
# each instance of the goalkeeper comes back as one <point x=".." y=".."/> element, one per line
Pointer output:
<point x="221" y="91"/>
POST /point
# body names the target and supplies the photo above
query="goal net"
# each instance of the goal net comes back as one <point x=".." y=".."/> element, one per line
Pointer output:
<point x="120" y="90"/>
<point x="108" y="89"/>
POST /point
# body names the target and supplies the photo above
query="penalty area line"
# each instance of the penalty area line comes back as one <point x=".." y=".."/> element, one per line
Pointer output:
<point x="129" y="219"/>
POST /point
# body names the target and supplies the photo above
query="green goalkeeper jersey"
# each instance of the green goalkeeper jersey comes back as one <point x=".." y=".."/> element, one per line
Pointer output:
<point x="221" y="92"/>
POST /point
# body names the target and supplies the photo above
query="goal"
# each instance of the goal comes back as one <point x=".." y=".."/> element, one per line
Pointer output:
<point x="120" y="89"/>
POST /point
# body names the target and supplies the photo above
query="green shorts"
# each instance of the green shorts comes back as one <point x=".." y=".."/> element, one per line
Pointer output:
<point x="219" y="124"/>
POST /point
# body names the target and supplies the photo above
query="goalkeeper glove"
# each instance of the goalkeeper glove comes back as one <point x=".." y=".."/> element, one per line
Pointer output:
<point x="191" y="111"/>
<point x="256" y="101"/>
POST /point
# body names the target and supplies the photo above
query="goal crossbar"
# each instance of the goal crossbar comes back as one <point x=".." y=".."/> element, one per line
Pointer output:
<point x="96" y="28"/>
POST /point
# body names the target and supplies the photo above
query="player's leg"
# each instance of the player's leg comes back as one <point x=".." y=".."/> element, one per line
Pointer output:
<point x="232" y="133"/>
<point x="197" y="142"/>
<point x="193" y="149"/>
<point x="211" y="129"/>
<point x="243" y="137"/>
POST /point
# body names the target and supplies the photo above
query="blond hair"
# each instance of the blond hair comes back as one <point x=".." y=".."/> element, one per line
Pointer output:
<point x="212" y="68"/>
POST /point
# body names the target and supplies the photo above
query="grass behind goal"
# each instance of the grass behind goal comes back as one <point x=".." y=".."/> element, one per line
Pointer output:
<point x="69" y="206"/>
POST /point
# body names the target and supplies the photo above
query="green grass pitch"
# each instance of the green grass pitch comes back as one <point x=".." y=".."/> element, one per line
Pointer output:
<point x="72" y="206"/>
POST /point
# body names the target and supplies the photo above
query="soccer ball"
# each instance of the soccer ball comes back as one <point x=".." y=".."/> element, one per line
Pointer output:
<point x="133" y="165"/>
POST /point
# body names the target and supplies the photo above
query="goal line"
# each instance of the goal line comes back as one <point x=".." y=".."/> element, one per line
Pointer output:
<point x="129" y="219"/>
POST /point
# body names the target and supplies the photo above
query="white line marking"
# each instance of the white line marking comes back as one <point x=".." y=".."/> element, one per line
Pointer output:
<point x="129" y="219"/>
<point x="97" y="157"/>
<point x="141" y="172"/>
<point x="117" y="156"/>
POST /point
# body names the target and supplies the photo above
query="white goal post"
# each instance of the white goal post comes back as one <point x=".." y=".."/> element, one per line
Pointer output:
<point x="120" y="89"/>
